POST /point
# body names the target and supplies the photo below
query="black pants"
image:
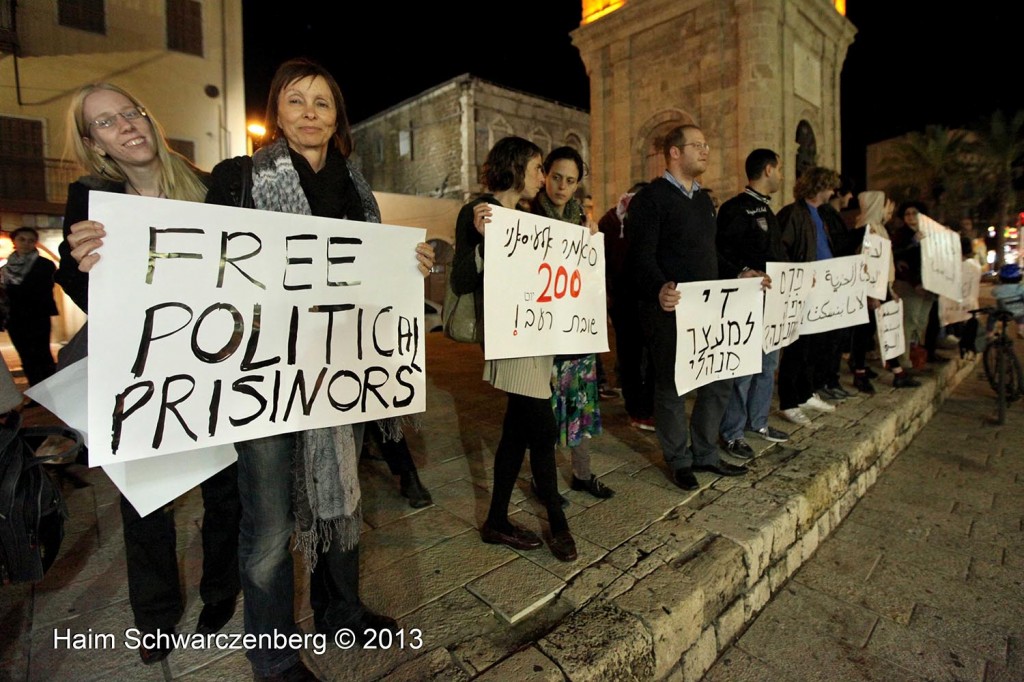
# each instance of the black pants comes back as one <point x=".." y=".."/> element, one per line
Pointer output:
<point x="862" y="338"/>
<point x="796" y="373"/>
<point x="31" y="338"/>
<point x="931" y="333"/>
<point x="529" y="423"/>
<point x="334" y="590"/>
<point x="634" y="364"/>
<point x="150" y="544"/>
<point x="395" y="453"/>
<point x="827" y="355"/>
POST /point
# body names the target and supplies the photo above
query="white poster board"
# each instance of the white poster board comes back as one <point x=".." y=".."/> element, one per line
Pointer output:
<point x="210" y="325"/>
<point x="784" y="302"/>
<point x="149" y="483"/>
<point x="941" y="256"/>
<point x="718" y="331"/>
<point x="544" y="291"/>
<point x="877" y="251"/>
<point x="838" y="298"/>
<point x="889" y="324"/>
<point x="951" y="311"/>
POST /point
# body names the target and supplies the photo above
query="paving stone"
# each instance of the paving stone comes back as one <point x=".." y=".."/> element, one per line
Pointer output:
<point x="435" y="666"/>
<point x="720" y="572"/>
<point x="528" y="665"/>
<point x="730" y="623"/>
<point x="232" y="667"/>
<point x="736" y="665"/>
<point x="700" y="657"/>
<point x="478" y="652"/>
<point x="463" y="499"/>
<point x="586" y="585"/>
<point x="600" y="642"/>
<point x="893" y="543"/>
<point x="637" y="506"/>
<point x="672" y="609"/>
<point x="930" y="658"/>
<point x="516" y="589"/>
<point x="394" y="541"/>
<point x="987" y="641"/>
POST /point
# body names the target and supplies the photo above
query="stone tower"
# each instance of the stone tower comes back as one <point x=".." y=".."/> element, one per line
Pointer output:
<point x="750" y="73"/>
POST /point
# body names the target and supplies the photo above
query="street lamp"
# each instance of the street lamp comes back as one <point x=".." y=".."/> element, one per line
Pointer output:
<point x="254" y="139"/>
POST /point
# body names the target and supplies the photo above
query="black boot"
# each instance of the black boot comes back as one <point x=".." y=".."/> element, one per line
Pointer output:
<point x="412" y="488"/>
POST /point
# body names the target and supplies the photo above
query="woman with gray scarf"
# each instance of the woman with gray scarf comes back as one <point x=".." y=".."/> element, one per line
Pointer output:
<point x="305" y="482"/>
<point x="28" y="282"/>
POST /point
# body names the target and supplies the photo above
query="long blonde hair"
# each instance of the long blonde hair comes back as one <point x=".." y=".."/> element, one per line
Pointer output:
<point x="178" y="177"/>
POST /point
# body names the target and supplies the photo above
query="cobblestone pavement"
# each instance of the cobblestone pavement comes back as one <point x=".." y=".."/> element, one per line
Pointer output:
<point x="924" y="580"/>
<point x="665" y="579"/>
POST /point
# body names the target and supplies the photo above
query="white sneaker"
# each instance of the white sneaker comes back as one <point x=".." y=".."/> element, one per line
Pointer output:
<point x="797" y="416"/>
<point x="816" y="403"/>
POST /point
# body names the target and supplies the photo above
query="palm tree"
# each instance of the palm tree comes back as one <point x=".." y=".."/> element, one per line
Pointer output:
<point x="927" y="166"/>
<point x="1000" y="153"/>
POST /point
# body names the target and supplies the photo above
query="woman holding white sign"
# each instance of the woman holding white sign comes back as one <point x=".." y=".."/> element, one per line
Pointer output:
<point x="574" y="381"/>
<point x="305" y="482"/>
<point x="513" y="171"/>
<point x="117" y="140"/>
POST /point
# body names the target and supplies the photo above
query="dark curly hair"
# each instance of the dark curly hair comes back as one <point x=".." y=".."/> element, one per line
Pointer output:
<point x="505" y="166"/>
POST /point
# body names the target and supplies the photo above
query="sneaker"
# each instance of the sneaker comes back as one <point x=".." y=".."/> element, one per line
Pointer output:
<point x="739" y="449"/>
<point x="816" y="403"/>
<point x="642" y="423"/>
<point x="797" y="416"/>
<point x="772" y="435"/>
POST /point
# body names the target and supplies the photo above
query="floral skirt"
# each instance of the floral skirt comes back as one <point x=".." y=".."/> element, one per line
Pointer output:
<point x="574" y="399"/>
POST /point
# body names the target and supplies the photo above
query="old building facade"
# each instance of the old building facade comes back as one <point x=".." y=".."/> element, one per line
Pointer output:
<point x="750" y="73"/>
<point x="434" y="144"/>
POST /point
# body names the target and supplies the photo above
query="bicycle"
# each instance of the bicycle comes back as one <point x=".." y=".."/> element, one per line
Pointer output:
<point x="1001" y="364"/>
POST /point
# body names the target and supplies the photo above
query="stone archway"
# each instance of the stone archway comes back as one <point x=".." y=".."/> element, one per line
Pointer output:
<point x="648" y="152"/>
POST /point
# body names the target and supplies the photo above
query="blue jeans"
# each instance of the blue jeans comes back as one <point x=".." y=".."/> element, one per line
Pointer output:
<point x="264" y="552"/>
<point x="751" y="400"/>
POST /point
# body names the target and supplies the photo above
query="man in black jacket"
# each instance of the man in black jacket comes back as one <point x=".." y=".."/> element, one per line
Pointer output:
<point x="671" y="230"/>
<point x="748" y="237"/>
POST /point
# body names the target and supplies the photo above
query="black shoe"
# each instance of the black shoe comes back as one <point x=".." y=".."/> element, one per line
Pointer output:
<point x="563" y="546"/>
<point x="371" y="625"/>
<point x="297" y="673"/>
<point x="215" y="616"/>
<point x="152" y="656"/>
<point x="536" y="493"/>
<point x="827" y="393"/>
<point x="739" y="449"/>
<point x="871" y="374"/>
<point x="685" y="479"/>
<point x="904" y="380"/>
<point x="412" y="488"/>
<point x="862" y="383"/>
<point x="517" y="538"/>
<point x="592" y="486"/>
<point x="839" y="393"/>
<point x="722" y="469"/>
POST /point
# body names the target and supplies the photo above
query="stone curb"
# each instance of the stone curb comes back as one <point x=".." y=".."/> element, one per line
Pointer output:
<point x="719" y="563"/>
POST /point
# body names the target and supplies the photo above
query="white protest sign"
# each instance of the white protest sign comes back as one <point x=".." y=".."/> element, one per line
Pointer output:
<point x="940" y="258"/>
<point x="718" y="331"/>
<point x="149" y="483"/>
<point x="889" y="325"/>
<point x="544" y="288"/>
<point x="210" y="325"/>
<point x="784" y="302"/>
<point x="838" y="298"/>
<point x="877" y="251"/>
<point x="951" y="311"/>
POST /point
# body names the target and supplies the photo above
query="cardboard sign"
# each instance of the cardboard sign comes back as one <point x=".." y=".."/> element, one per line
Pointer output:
<point x="718" y="331"/>
<point x="951" y="311"/>
<point x="889" y="323"/>
<point x="838" y="297"/>
<point x="877" y="252"/>
<point x="784" y="302"/>
<point x="544" y="291"/>
<point x="210" y="325"/>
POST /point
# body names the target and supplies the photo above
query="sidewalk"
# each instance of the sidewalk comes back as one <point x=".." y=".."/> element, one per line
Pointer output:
<point x="664" y="581"/>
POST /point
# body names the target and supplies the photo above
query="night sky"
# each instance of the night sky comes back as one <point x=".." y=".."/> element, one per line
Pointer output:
<point x="908" y="66"/>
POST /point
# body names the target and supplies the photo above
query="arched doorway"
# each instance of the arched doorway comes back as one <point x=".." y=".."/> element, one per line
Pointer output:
<point x="648" y="156"/>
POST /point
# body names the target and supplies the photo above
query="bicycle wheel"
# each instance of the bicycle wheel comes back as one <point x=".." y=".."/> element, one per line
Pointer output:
<point x="988" y="363"/>
<point x="1002" y="369"/>
<point x="1015" y="380"/>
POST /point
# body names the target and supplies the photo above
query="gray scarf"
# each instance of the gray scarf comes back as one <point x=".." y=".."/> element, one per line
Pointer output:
<point x="325" y="464"/>
<point x="18" y="266"/>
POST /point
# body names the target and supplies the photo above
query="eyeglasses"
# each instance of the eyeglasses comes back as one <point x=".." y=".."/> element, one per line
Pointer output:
<point x="128" y="115"/>
<point x="699" y="146"/>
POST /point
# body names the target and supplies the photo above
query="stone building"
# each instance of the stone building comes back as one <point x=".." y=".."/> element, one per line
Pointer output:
<point x="750" y="73"/>
<point x="182" y="58"/>
<point x="434" y="144"/>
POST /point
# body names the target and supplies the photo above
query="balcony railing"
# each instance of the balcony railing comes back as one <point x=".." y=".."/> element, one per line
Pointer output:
<point x="35" y="182"/>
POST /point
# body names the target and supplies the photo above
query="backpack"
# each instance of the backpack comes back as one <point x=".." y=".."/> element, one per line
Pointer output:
<point x="32" y="510"/>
